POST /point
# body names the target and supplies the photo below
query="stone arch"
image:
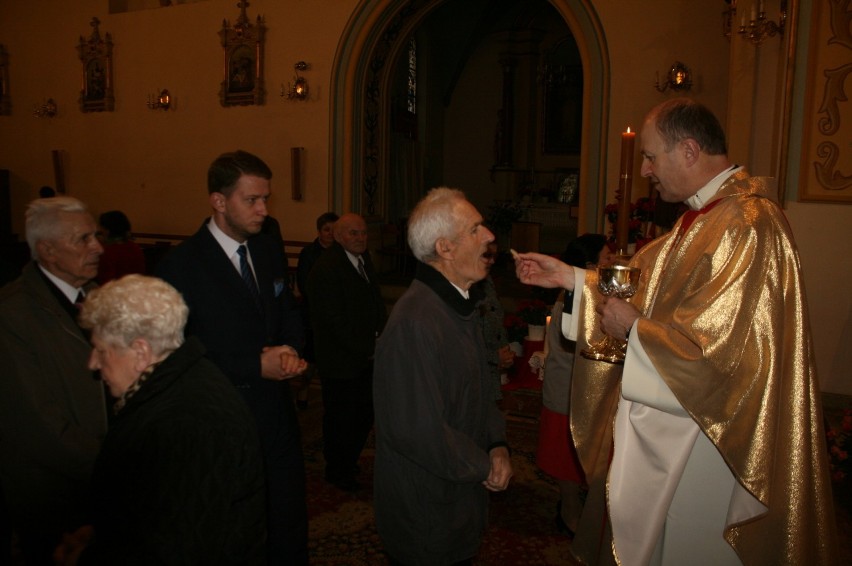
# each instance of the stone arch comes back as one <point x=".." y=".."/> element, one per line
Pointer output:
<point x="374" y="34"/>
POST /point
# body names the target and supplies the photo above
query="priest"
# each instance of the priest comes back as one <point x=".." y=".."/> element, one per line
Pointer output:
<point x="718" y="450"/>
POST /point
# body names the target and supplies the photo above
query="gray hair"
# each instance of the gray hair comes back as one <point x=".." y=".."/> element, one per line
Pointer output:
<point x="42" y="219"/>
<point x="136" y="306"/>
<point x="680" y="118"/>
<point x="433" y="218"/>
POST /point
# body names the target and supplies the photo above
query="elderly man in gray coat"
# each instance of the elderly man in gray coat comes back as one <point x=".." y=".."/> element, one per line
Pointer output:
<point x="440" y="438"/>
<point x="52" y="410"/>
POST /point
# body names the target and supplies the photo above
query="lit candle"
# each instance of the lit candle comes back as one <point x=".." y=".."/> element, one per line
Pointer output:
<point x="625" y="182"/>
<point x="546" y="332"/>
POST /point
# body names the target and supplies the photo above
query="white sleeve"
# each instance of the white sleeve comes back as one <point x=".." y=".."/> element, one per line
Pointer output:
<point x="571" y="321"/>
<point x="642" y="383"/>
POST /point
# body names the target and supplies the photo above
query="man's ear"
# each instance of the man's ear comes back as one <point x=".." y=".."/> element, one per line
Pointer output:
<point x="44" y="248"/>
<point x="217" y="202"/>
<point x="444" y="248"/>
<point x="691" y="150"/>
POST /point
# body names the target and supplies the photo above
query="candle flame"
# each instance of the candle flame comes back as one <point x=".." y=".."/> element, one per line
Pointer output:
<point x="628" y="129"/>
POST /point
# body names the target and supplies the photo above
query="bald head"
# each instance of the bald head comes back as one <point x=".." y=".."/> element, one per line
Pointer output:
<point x="683" y="147"/>
<point x="350" y="231"/>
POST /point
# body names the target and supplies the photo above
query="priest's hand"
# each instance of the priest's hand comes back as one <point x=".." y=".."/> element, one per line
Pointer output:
<point x="617" y="316"/>
<point x="543" y="271"/>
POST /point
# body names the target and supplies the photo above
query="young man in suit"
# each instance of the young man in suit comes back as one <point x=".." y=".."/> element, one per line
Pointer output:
<point x="242" y="310"/>
<point x="347" y="314"/>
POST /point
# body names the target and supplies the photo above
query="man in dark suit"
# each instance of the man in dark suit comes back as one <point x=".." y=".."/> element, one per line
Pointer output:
<point x="52" y="409"/>
<point x="242" y="310"/>
<point x="347" y="314"/>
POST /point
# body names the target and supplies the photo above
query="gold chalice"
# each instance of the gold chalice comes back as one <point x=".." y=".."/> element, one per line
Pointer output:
<point x="620" y="281"/>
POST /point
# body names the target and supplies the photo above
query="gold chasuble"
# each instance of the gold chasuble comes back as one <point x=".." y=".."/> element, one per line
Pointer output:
<point x="725" y="328"/>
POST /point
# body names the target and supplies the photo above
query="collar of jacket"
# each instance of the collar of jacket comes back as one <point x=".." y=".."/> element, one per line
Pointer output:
<point x="160" y="376"/>
<point x="436" y="281"/>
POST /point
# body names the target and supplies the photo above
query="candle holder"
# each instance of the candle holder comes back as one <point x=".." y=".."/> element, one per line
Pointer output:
<point x="298" y="89"/>
<point x="162" y="101"/>
<point x="45" y="110"/>
<point x="759" y="28"/>
<point x="678" y="78"/>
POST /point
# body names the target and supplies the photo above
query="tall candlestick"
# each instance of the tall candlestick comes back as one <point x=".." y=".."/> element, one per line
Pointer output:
<point x="625" y="182"/>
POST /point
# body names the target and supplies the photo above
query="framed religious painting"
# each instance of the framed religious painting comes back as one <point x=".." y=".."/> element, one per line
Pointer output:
<point x="5" y="101"/>
<point x="242" y="46"/>
<point x="96" y="92"/>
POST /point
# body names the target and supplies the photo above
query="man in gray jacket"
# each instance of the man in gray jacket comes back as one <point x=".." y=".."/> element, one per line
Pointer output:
<point x="440" y="438"/>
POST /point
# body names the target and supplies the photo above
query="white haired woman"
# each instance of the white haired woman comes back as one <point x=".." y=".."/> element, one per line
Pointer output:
<point x="179" y="478"/>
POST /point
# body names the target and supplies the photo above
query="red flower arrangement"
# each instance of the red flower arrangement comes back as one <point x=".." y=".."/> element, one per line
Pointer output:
<point x="516" y="327"/>
<point x="640" y="226"/>
<point x="837" y="449"/>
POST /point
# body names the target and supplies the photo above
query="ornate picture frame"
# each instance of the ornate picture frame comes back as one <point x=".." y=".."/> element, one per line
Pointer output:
<point x="242" y="47"/>
<point x="826" y="166"/>
<point x="96" y="91"/>
<point x="5" y="100"/>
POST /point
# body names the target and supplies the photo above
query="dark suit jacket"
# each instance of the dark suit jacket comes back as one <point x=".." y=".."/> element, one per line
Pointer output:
<point x="223" y="315"/>
<point x="52" y="409"/>
<point x="346" y="314"/>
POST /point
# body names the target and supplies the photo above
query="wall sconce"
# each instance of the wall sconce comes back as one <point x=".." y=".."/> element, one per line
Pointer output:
<point x="678" y="78"/>
<point x="759" y="28"/>
<point x="298" y="90"/>
<point x="45" y="110"/>
<point x="728" y="17"/>
<point x="162" y="101"/>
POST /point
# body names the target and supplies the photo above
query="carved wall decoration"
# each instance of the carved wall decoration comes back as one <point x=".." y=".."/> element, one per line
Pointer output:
<point x="5" y="100"/>
<point x="96" y="93"/>
<point x="243" y="60"/>
<point x="826" y="170"/>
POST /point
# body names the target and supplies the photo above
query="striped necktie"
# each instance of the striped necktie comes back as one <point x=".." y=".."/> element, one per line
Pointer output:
<point x="248" y="276"/>
<point x="361" y="269"/>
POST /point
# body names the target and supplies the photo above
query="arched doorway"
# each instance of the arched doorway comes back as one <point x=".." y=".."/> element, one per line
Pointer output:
<point x="362" y="78"/>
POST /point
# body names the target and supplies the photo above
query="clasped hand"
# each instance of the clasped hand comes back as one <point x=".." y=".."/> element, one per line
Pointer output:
<point x="281" y="362"/>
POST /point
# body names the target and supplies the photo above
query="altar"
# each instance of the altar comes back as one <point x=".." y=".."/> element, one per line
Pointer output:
<point x="557" y="225"/>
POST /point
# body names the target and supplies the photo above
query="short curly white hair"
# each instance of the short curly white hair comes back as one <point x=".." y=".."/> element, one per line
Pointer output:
<point x="434" y="217"/>
<point x="137" y="306"/>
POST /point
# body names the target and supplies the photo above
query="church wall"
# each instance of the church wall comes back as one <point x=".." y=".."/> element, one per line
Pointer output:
<point x="152" y="164"/>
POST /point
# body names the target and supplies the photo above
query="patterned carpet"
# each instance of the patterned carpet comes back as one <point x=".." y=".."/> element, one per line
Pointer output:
<point x="522" y="530"/>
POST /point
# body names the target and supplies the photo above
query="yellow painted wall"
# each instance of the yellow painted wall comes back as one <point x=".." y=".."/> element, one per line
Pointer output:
<point x="152" y="164"/>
